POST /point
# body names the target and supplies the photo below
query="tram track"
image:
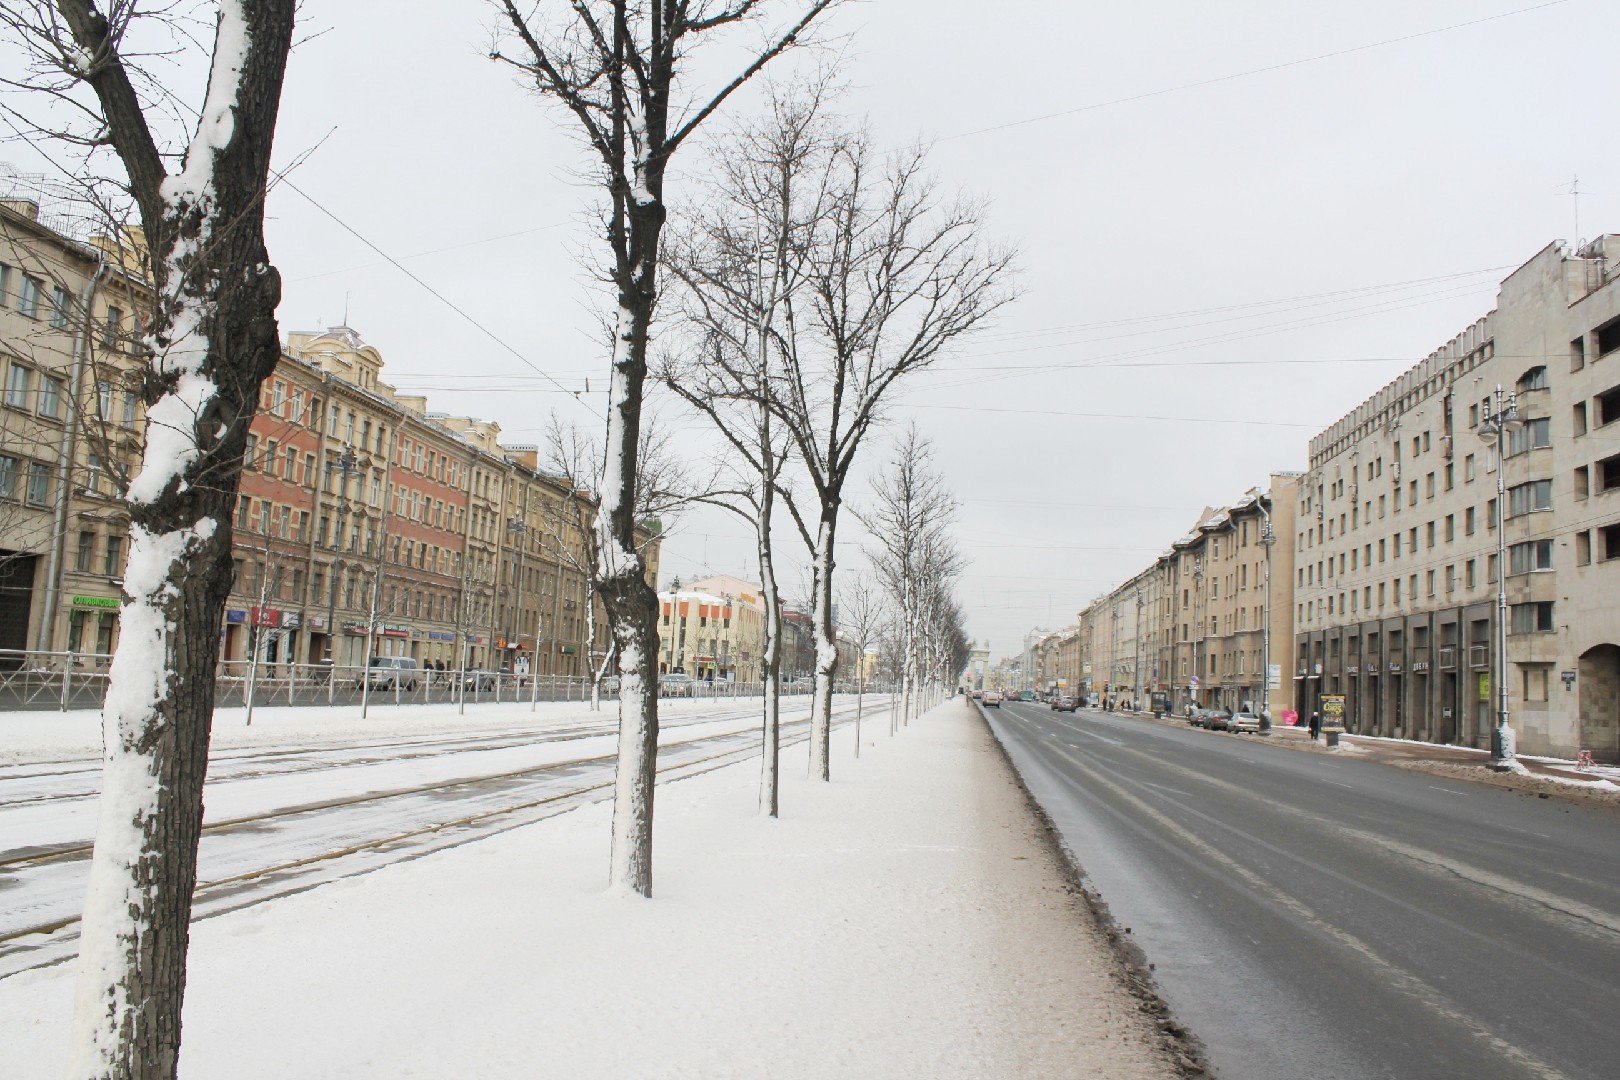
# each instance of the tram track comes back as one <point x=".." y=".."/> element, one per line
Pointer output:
<point x="50" y="940"/>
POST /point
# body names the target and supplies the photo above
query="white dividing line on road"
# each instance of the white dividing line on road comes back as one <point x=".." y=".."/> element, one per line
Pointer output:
<point x="1447" y="790"/>
<point x="1571" y="914"/>
<point x="1094" y="735"/>
<point x="1399" y="978"/>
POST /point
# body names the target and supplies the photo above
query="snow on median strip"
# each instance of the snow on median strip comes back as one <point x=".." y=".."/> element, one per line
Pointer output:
<point x="903" y="921"/>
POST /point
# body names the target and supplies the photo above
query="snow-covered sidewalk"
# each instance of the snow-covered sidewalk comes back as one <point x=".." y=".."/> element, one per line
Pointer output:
<point x="904" y="921"/>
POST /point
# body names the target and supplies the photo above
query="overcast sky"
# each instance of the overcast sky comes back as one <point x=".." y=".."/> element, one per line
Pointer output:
<point x="1211" y="273"/>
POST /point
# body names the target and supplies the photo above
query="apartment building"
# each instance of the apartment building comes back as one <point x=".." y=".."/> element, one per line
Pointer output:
<point x="70" y="411"/>
<point x="713" y="629"/>
<point x="1396" y="542"/>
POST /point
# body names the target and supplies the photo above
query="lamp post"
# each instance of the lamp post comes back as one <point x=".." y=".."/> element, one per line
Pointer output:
<point x="1269" y="539"/>
<point x="518" y="528"/>
<point x="1494" y="429"/>
<point x="346" y="463"/>
<point x="1136" y="660"/>
<point x="1198" y="624"/>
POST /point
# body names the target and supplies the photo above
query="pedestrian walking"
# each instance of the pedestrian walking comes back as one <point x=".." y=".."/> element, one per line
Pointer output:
<point x="1316" y="724"/>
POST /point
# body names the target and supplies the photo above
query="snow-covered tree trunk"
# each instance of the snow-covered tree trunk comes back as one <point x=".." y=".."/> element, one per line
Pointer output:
<point x="213" y="339"/>
<point x="770" y="664"/>
<point x="826" y="645"/>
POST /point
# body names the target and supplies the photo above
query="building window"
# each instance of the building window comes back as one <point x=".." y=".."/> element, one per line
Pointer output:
<point x="1577" y="353"/>
<point x="1530" y="435"/>
<point x="1579" y="418"/>
<point x="1608" y="407"/>
<point x="1469" y="577"/>
<point x="1583" y="548"/>
<point x="1534" y="379"/>
<point x="61" y="307"/>
<point x="1608" y="337"/>
<point x="1611" y="542"/>
<point x="1530" y="556"/>
<point x="1532" y="618"/>
<point x="115" y="556"/>
<point x="113" y="328"/>
<point x="86" y="552"/>
<point x="1468" y="521"/>
<point x="1535" y="682"/>
<point x="17" y="384"/>
<point x="28" y="297"/>
<point x="1529" y="497"/>
<point x="50" y="397"/>
<point x="1583" y="483"/>
<point x="39" y="483"/>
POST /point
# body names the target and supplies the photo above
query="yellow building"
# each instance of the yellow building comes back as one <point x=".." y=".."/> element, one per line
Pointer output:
<point x="712" y="629"/>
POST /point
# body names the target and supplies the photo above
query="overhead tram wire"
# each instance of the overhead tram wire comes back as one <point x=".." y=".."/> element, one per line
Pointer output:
<point x="1234" y="76"/>
<point x="436" y="294"/>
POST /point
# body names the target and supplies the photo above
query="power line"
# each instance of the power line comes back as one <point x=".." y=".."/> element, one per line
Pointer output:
<point x="446" y="301"/>
<point x="1233" y="76"/>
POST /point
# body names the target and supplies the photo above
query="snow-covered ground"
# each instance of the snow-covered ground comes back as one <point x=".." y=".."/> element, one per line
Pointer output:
<point x="902" y="921"/>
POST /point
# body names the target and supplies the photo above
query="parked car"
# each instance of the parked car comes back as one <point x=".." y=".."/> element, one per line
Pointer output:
<point x="1243" y="721"/>
<point x="675" y="684"/>
<point x="1063" y="704"/>
<point x="993" y="698"/>
<point x="1091" y="701"/>
<point x="1217" y="719"/>
<point x="393" y="672"/>
<point x="479" y="679"/>
<point x="1205" y="718"/>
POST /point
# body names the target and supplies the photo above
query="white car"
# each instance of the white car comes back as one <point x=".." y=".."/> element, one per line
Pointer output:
<point x="1243" y="721"/>
<point x="393" y="672"/>
<point x="675" y="684"/>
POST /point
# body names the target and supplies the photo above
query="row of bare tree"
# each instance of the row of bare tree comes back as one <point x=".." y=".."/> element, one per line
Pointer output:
<point x="820" y="275"/>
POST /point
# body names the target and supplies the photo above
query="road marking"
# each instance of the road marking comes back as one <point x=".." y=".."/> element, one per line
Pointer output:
<point x="1094" y="735"/>
<point x="1401" y="979"/>
<point x="1447" y="790"/>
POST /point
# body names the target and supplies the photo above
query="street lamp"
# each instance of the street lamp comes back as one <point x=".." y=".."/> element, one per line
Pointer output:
<point x="346" y="463"/>
<point x="1494" y="429"/>
<point x="1269" y="539"/>
<point x="519" y="529"/>
<point x="1198" y="596"/>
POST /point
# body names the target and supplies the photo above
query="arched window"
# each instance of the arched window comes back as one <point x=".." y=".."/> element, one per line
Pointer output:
<point x="1534" y="379"/>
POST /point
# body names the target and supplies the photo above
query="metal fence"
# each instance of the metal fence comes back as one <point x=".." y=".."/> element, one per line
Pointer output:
<point x="53" y="680"/>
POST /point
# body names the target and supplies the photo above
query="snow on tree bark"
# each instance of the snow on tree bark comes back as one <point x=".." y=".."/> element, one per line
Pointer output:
<point x="212" y="338"/>
<point x="612" y="65"/>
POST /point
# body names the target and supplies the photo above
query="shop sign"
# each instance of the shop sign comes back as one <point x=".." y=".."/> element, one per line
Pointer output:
<point x="95" y="601"/>
<point x="316" y="622"/>
<point x="354" y="628"/>
<point x="393" y="631"/>
<point x="292" y="620"/>
<point x="568" y="650"/>
<point x="230" y="616"/>
<point x="1485" y="686"/>
<point x="440" y="635"/>
<point x="264" y="617"/>
<point x="1420" y="665"/>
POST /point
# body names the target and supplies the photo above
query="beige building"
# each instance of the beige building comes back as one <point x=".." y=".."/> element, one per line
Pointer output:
<point x="70" y="416"/>
<point x="1397" y="542"/>
<point x="712" y="629"/>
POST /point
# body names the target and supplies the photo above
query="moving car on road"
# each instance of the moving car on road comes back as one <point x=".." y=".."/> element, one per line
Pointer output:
<point x="993" y="697"/>
<point x="1064" y="704"/>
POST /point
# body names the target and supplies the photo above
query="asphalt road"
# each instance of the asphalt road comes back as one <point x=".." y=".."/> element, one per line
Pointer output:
<point x="1311" y="915"/>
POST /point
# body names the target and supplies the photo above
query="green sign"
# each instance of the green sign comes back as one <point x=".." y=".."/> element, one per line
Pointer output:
<point x="1484" y="688"/>
<point x="95" y="601"/>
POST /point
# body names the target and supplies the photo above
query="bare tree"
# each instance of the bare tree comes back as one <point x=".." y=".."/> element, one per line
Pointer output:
<point x="612" y="65"/>
<point x="863" y="618"/>
<point x="663" y="489"/>
<point x="916" y="559"/>
<point x="212" y="340"/>
<point x="734" y="267"/>
<point x="894" y="275"/>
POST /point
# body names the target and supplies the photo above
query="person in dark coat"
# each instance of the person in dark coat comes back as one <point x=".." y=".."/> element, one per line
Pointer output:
<point x="1316" y="724"/>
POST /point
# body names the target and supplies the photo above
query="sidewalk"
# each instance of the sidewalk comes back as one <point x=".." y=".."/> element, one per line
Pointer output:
<point x="907" y="920"/>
